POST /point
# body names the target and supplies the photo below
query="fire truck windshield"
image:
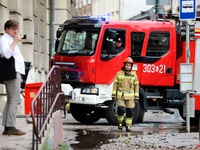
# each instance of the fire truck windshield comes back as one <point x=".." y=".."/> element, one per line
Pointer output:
<point x="78" y="42"/>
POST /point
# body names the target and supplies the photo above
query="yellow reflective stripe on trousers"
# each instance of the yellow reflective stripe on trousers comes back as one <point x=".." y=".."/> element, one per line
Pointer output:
<point x="120" y="118"/>
<point x="137" y="82"/>
<point x="113" y="92"/>
<point x="128" y="120"/>
<point x="116" y="80"/>
<point x="136" y="94"/>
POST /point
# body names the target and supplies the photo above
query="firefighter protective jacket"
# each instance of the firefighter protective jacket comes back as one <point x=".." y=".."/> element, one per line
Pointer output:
<point x="126" y="86"/>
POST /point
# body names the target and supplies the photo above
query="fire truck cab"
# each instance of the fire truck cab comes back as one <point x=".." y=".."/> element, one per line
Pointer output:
<point x="86" y="53"/>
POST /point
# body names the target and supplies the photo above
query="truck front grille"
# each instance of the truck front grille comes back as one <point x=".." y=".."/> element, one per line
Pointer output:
<point x="69" y="76"/>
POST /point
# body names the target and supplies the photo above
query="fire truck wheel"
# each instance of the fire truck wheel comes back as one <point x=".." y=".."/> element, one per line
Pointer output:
<point x="193" y="121"/>
<point x="141" y="115"/>
<point x="111" y="112"/>
<point x="142" y="110"/>
<point x="136" y="112"/>
<point x="85" y="114"/>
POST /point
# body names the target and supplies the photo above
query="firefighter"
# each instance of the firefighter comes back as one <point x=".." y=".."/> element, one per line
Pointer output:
<point x="126" y="91"/>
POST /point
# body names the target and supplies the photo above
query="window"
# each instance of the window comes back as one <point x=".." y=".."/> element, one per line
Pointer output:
<point x="78" y="42"/>
<point x="120" y="44"/>
<point x="80" y="4"/>
<point x="158" y="43"/>
<point x="117" y="5"/>
<point x="84" y="11"/>
<point x="89" y="9"/>
<point x="137" y="39"/>
<point x="84" y="2"/>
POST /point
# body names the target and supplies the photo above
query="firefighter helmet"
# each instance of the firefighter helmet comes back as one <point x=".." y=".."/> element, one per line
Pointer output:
<point x="128" y="60"/>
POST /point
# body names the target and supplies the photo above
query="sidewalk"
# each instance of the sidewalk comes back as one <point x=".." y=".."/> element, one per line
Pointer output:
<point x="17" y="142"/>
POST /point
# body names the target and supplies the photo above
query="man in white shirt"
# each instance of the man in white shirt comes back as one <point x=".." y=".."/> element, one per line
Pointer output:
<point x="9" y="48"/>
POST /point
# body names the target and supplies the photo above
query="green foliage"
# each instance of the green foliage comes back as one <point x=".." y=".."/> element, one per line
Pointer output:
<point x="169" y="11"/>
<point x="177" y="8"/>
<point x="63" y="146"/>
<point x="46" y="147"/>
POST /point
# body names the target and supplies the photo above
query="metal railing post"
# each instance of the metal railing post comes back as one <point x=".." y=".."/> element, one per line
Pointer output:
<point x="47" y="101"/>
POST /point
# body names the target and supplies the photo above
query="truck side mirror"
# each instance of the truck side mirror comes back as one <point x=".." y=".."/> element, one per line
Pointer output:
<point x="59" y="33"/>
<point x="111" y="34"/>
<point x="111" y="47"/>
<point x="56" y="45"/>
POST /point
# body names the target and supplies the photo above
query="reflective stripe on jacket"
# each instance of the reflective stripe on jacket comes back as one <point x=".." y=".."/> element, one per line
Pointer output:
<point x="126" y="86"/>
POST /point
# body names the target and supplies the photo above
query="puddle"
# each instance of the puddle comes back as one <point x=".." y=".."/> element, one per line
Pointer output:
<point x="94" y="139"/>
<point x="91" y="139"/>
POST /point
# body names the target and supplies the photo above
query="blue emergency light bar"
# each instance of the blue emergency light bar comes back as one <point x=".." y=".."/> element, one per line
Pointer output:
<point x="104" y="17"/>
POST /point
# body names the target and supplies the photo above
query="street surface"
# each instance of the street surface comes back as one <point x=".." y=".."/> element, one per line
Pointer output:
<point x="159" y="131"/>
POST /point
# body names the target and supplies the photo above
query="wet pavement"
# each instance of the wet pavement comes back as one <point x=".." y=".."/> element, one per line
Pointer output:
<point x="159" y="131"/>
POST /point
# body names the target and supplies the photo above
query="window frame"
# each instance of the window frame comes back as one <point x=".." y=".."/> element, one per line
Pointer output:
<point x="107" y="57"/>
<point x="159" y="32"/>
<point x="142" y="43"/>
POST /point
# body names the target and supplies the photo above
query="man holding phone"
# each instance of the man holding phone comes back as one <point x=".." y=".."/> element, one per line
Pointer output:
<point x="8" y="49"/>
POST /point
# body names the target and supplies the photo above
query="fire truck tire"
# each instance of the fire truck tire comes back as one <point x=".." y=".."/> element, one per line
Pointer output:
<point x="141" y="115"/>
<point x="111" y="112"/>
<point x="85" y="114"/>
<point x="142" y="98"/>
<point x="136" y="112"/>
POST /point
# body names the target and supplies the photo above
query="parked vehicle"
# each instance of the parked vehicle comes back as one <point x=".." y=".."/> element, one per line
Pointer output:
<point x="87" y="73"/>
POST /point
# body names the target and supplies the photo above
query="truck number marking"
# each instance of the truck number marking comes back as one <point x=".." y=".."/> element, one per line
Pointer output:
<point x="151" y="68"/>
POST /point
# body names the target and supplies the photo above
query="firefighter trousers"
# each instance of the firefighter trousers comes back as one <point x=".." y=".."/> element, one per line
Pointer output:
<point x="129" y="105"/>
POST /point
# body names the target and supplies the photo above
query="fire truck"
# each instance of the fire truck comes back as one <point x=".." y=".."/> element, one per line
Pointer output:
<point x="86" y="53"/>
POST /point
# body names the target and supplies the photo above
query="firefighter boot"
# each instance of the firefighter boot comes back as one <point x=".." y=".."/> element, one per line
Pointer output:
<point x="120" y="120"/>
<point x="128" y="124"/>
<point x="120" y="127"/>
<point x="128" y="129"/>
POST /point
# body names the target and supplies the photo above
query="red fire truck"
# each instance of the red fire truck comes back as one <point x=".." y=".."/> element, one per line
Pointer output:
<point x="86" y="52"/>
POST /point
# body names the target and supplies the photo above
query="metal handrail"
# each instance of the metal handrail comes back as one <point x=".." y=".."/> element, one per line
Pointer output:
<point x="45" y="103"/>
<point x="48" y="115"/>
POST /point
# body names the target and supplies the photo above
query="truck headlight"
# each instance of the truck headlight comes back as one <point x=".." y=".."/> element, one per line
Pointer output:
<point x="92" y="91"/>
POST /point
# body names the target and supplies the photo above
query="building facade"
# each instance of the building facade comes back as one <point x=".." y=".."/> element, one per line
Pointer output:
<point x="34" y="21"/>
<point x="84" y="8"/>
<point x="98" y="7"/>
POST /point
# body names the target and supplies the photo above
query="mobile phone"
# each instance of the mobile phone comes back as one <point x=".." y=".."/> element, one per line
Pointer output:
<point x="24" y="36"/>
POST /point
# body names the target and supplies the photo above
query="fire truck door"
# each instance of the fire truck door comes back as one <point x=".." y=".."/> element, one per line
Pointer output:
<point x="109" y="64"/>
<point x="137" y="42"/>
<point x="157" y="66"/>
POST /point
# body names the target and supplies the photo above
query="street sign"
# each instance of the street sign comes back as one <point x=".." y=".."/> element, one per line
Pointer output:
<point x="192" y="108"/>
<point x="183" y="32"/>
<point x="186" y="77"/>
<point x="159" y="2"/>
<point x="191" y="32"/>
<point x="187" y="9"/>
